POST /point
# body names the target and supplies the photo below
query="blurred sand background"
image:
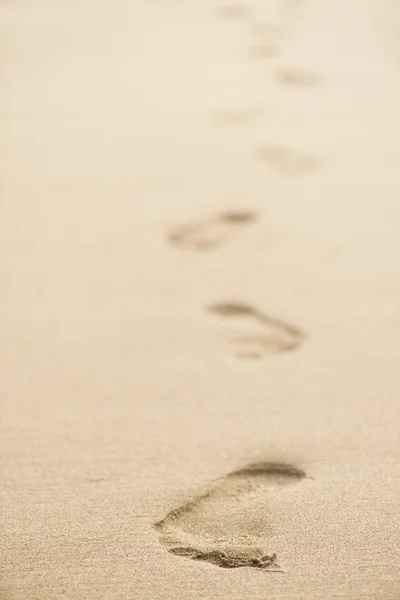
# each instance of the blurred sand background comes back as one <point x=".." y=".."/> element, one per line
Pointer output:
<point x="128" y="127"/>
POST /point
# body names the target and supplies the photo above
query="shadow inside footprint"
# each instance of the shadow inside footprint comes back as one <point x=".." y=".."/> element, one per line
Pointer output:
<point x="209" y="233"/>
<point x="228" y="526"/>
<point x="286" y="161"/>
<point x="261" y="335"/>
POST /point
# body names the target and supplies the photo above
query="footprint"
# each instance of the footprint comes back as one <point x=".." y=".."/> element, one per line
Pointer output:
<point x="258" y="335"/>
<point x="286" y="161"/>
<point x="267" y="40"/>
<point x="228" y="526"/>
<point x="234" y="12"/>
<point x="209" y="233"/>
<point x="296" y="77"/>
<point x="238" y="118"/>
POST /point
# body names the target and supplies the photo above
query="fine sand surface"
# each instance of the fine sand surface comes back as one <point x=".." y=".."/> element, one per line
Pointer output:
<point x="200" y="314"/>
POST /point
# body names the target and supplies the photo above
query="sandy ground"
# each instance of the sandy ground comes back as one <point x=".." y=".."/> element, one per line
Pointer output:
<point x="200" y="258"/>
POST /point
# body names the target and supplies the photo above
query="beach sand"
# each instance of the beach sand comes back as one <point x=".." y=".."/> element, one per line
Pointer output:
<point x="200" y="320"/>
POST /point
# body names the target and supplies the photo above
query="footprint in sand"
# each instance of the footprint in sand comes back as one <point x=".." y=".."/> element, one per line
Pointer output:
<point x="257" y="334"/>
<point x="209" y="233"/>
<point x="234" y="12"/>
<point x="268" y="37"/>
<point x="229" y="525"/>
<point x="238" y="118"/>
<point x="296" y="77"/>
<point x="266" y="42"/>
<point x="287" y="161"/>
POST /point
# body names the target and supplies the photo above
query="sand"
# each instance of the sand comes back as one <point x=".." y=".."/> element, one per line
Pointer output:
<point x="200" y="319"/>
